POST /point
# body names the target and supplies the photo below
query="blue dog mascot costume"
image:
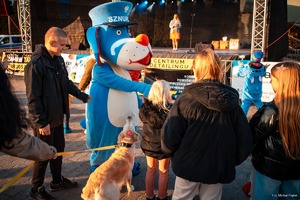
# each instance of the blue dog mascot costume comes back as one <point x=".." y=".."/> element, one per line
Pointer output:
<point x="114" y="94"/>
<point x="253" y="73"/>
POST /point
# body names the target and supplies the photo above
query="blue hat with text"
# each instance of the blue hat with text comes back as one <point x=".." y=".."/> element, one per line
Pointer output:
<point x="113" y="14"/>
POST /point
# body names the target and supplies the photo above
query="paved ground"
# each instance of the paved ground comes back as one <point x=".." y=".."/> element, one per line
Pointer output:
<point x="76" y="167"/>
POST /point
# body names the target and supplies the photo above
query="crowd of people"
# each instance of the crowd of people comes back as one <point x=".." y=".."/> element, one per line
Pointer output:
<point x="204" y="133"/>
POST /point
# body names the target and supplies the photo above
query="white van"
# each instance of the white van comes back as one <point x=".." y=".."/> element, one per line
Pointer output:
<point x="11" y="42"/>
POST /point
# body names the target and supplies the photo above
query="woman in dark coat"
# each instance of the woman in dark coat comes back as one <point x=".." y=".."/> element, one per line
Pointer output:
<point x="206" y="132"/>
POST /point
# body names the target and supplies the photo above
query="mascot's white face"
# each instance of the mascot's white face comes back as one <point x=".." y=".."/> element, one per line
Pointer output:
<point x="116" y="46"/>
<point x="135" y="54"/>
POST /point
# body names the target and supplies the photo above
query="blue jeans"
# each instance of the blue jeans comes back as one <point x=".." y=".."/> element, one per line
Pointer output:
<point x="265" y="188"/>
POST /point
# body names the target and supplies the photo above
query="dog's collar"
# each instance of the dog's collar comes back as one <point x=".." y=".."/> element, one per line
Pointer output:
<point x="124" y="144"/>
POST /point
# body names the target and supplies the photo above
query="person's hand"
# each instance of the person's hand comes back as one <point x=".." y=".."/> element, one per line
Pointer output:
<point x="45" y="130"/>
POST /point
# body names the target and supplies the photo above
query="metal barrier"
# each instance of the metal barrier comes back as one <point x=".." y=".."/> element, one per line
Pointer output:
<point x="227" y="66"/>
<point x="294" y="48"/>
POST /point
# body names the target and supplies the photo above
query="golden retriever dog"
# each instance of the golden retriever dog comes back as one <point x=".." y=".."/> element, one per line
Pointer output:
<point x="107" y="180"/>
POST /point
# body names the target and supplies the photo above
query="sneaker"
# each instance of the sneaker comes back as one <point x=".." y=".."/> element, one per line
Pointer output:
<point x="64" y="184"/>
<point x="67" y="129"/>
<point x="40" y="194"/>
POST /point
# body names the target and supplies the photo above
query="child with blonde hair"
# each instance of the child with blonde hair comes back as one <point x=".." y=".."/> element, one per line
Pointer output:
<point x="153" y="113"/>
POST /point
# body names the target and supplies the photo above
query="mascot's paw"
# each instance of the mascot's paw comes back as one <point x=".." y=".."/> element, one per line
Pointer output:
<point x="136" y="168"/>
<point x="93" y="168"/>
<point x="146" y="90"/>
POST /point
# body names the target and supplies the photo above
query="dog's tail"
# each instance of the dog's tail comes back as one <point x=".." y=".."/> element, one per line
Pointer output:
<point x="129" y="124"/>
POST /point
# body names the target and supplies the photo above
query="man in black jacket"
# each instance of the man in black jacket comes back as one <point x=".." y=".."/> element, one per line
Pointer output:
<point x="47" y="90"/>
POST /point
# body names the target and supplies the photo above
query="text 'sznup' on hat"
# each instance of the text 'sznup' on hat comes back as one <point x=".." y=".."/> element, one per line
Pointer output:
<point x="113" y="14"/>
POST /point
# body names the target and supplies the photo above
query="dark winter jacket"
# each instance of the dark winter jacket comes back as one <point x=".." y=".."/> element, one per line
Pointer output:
<point x="48" y="87"/>
<point x="153" y="119"/>
<point x="268" y="156"/>
<point x="207" y="133"/>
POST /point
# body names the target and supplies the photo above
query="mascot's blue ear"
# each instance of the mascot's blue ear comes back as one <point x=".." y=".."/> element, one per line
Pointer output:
<point x="93" y="40"/>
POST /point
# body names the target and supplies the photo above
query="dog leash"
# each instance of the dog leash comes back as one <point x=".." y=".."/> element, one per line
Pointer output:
<point x="80" y="151"/>
<point x="20" y="174"/>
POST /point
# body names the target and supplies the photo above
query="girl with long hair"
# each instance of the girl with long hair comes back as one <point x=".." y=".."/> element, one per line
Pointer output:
<point x="276" y="129"/>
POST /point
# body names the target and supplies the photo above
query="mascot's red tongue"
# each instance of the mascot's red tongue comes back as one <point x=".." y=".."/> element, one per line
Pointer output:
<point x="146" y="60"/>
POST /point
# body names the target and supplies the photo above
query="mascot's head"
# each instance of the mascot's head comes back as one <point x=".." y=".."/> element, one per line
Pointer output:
<point x="257" y="68"/>
<point x="257" y="56"/>
<point x="110" y="40"/>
